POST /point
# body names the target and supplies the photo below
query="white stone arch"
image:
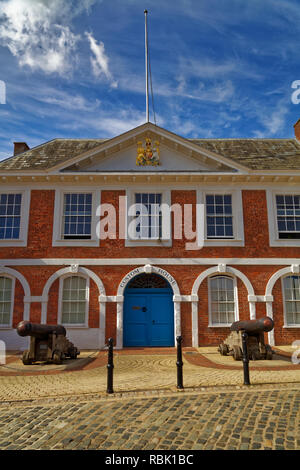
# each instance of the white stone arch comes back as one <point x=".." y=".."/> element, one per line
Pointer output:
<point x="293" y="269"/>
<point x="120" y="298"/>
<point x="24" y="283"/>
<point x="220" y="269"/>
<point x="71" y="270"/>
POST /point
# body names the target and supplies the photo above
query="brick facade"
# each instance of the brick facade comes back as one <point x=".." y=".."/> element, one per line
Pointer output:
<point x="33" y="265"/>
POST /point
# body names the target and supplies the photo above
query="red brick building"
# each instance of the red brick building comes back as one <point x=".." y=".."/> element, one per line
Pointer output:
<point x="85" y="241"/>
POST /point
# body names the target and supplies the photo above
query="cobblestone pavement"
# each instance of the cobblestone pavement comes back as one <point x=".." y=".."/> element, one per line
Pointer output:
<point x="239" y="420"/>
<point x="137" y="373"/>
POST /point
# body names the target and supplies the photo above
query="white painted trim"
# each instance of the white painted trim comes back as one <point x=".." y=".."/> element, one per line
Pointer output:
<point x="87" y="301"/>
<point x="237" y="213"/>
<point x="101" y="290"/>
<point x="236" y="300"/>
<point x="229" y="270"/>
<point x="274" y="239"/>
<point x="130" y="201"/>
<point x="164" y="134"/>
<point x="142" y="261"/>
<point x="285" y="323"/>
<point x="57" y="239"/>
<point x="26" y="288"/>
<point x="24" y="220"/>
<point x="277" y="275"/>
<point x="12" y="301"/>
<point x="120" y="302"/>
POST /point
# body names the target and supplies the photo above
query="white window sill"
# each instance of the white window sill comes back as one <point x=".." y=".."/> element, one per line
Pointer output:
<point x="75" y="326"/>
<point x="13" y="242"/>
<point x="284" y="242"/>
<point x="291" y="326"/>
<point x="148" y="242"/>
<point x="221" y="325"/>
<point x="223" y="242"/>
<point x="75" y="242"/>
<point x="6" y="327"/>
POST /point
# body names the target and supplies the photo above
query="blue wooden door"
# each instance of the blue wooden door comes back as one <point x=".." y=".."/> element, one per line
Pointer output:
<point x="148" y="317"/>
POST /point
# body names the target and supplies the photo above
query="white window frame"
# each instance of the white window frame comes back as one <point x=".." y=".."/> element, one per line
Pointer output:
<point x="272" y="217"/>
<point x="57" y="239"/>
<point x="87" y="300"/>
<point x="286" y="325"/>
<point x="237" y="217"/>
<point x="166" y="219"/>
<point x="236" y="301"/>
<point x="10" y="324"/>
<point x="24" y="220"/>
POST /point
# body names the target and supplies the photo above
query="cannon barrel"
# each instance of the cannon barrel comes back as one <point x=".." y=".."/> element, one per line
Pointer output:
<point x="253" y="327"/>
<point x="26" y="328"/>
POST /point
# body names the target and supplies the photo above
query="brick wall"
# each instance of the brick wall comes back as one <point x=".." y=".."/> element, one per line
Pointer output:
<point x="256" y="245"/>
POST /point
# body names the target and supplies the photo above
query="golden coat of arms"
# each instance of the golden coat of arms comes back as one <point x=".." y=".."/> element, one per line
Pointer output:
<point x="148" y="155"/>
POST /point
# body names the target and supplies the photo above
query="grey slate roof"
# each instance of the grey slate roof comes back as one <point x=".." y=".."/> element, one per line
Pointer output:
<point x="255" y="154"/>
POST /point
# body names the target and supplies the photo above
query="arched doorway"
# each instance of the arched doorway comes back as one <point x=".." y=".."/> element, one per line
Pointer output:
<point x="148" y="312"/>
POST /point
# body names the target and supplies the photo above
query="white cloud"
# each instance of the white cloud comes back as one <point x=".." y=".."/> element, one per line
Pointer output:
<point x="38" y="33"/>
<point x="100" y="60"/>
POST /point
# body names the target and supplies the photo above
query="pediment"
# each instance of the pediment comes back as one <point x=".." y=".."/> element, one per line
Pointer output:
<point x="149" y="148"/>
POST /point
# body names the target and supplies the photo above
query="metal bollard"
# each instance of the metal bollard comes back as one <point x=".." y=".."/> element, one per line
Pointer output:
<point x="245" y="359"/>
<point x="110" y="366"/>
<point x="179" y="363"/>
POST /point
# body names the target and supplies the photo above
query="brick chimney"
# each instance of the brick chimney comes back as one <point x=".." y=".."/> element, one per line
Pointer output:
<point x="20" y="147"/>
<point x="297" y="129"/>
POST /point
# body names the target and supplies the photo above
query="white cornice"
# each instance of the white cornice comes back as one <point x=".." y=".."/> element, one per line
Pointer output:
<point x="151" y="261"/>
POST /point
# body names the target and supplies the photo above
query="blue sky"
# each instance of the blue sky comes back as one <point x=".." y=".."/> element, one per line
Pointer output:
<point x="75" y="68"/>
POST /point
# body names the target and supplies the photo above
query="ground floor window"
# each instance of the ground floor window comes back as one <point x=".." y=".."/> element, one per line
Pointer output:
<point x="6" y="287"/>
<point x="222" y="300"/>
<point x="291" y="287"/>
<point x="74" y="303"/>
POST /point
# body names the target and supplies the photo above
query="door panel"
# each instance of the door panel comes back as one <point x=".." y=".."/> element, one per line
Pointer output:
<point x="136" y="320"/>
<point x="162" y="324"/>
<point x="148" y="318"/>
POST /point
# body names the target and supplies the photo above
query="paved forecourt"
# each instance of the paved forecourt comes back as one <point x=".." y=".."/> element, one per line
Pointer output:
<point x="252" y="418"/>
<point x="137" y="372"/>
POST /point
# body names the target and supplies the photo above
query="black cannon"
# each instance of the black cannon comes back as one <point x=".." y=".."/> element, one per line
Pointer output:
<point x="47" y="343"/>
<point x="255" y="329"/>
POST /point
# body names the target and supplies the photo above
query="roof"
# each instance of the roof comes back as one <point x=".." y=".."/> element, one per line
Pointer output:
<point x="255" y="154"/>
<point x="50" y="154"/>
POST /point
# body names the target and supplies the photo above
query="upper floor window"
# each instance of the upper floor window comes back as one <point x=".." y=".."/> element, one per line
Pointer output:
<point x="219" y="217"/>
<point x="223" y="223"/>
<point x="291" y="286"/>
<point x="222" y="301"/>
<point x="288" y="216"/>
<point x="74" y="301"/>
<point x="6" y="290"/>
<point x="10" y="216"/>
<point x="148" y="217"/>
<point x="77" y="216"/>
<point x="14" y="217"/>
<point x="149" y="221"/>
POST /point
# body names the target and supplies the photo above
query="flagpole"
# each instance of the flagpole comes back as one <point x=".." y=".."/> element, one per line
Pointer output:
<point x="147" y="67"/>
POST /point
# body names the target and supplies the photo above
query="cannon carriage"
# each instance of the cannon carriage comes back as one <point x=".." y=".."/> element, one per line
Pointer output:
<point x="48" y="343"/>
<point x="255" y="329"/>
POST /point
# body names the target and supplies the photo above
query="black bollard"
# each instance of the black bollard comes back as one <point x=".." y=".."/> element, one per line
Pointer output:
<point x="179" y="363"/>
<point x="110" y="366"/>
<point x="245" y="359"/>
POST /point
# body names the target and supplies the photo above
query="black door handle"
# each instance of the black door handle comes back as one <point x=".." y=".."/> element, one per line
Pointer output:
<point x="153" y="322"/>
<point x="144" y="309"/>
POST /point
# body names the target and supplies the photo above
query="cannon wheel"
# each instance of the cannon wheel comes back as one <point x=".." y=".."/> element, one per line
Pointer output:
<point x="269" y="352"/>
<point x="223" y="349"/>
<point x="25" y="358"/>
<point x="237" y="353"/>
<point x="57" y="357"/>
